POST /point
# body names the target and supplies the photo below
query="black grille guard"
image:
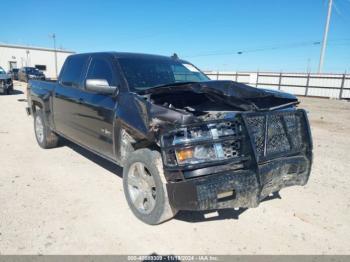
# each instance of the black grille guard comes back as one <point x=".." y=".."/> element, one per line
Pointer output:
<point x="276" y="134"/>
<point x="265" y="136"/>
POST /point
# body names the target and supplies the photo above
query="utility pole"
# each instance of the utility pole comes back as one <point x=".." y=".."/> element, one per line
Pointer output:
<point x="325" y="36"/>
<point x="55" y="51"/>
<point x="27" y="53"/>
<point x="308" y="68"/>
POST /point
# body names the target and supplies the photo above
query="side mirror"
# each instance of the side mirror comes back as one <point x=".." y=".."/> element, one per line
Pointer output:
<point x="100" y="86"/>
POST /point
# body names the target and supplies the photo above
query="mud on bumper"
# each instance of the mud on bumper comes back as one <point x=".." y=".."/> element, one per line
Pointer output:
<point x="244" y="188"/>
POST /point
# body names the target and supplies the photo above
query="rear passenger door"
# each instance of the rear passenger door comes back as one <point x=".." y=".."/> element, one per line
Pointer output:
<point x="97" y="110"/>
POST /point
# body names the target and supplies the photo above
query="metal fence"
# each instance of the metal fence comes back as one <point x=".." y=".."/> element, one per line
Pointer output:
<point x="304" y="84"/>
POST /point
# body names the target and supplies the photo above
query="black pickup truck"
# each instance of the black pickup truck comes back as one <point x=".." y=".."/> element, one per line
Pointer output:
<point x="184" y="142"/>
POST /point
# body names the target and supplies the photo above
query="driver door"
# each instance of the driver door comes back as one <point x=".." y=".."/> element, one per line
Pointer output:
<point x="97" y="110"/>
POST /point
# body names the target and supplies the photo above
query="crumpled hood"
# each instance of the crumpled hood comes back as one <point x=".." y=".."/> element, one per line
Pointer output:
<point x="236" y="94"/>
<point x="148" y="111"/>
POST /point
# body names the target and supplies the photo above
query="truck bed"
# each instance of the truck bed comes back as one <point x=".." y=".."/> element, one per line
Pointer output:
<point x="38" y="89"/>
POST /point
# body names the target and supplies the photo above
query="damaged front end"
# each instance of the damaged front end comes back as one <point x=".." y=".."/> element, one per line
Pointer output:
<point x="228" y="145"/>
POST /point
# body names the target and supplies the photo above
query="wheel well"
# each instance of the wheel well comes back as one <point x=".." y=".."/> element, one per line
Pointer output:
<point x="127" y="144"/>
<point x="146" y="144"/>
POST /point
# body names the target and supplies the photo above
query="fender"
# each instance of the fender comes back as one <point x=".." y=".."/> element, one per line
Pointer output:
<point x="43" y="99"/>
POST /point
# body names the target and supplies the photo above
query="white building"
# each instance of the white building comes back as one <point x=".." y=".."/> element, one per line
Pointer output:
<point x="17" y="56"/>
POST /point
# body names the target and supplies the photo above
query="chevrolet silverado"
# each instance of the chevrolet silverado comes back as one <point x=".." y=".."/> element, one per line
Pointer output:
<point x="185" y="142"/>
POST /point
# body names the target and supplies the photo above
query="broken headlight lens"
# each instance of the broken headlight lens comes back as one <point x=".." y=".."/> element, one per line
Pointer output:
<point x="199" y="133"/>
<point x="186" y="135"/>
<point x="198" y="144"/>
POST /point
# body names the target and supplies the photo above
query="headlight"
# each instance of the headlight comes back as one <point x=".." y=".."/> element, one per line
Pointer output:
<point x="202" y="143"/>
<point x="199" y="154"/>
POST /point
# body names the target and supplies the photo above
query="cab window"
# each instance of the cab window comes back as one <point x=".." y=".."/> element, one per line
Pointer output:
<point x="100" y="69"/>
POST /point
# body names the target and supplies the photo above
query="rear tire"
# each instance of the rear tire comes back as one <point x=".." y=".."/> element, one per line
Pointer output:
<point x="145" y="187"/>
<point x="43" y="134"/>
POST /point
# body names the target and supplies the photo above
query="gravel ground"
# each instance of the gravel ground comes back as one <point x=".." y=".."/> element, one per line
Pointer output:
<point x="68" y="201"/>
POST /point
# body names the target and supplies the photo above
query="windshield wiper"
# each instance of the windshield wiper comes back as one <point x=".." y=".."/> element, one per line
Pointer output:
<point x="168" y="85"/>
<point x="175" y="84"/>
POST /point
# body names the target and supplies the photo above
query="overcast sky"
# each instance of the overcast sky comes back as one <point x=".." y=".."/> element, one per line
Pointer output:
<point x="225" y="35"/>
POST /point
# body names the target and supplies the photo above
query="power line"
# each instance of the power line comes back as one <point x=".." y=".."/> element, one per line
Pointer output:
<point x="269" y="48"/>
<point x="242" y="51"/>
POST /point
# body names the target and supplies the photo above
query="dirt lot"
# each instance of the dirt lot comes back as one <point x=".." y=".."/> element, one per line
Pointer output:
<point x="68" y="201"/>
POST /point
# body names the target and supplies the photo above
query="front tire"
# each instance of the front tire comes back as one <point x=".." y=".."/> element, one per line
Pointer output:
<point x="145" y="187"/>
<point x="43" y="134"/>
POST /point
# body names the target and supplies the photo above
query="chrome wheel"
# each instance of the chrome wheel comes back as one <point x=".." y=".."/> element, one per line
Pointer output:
<point x="39" y="129"/>
<point x="142" y="188"/>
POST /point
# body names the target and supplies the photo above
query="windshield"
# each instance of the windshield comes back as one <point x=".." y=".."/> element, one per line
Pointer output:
<point x="32" y="70"/>
<point x="2" y="71"/>
<point x="145" y="73"/>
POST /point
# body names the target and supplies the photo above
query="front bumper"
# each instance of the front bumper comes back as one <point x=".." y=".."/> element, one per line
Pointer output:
<point x="243" y="188"/>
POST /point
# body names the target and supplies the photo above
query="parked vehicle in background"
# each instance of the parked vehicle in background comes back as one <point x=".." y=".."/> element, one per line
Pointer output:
<point x="6" y="84"/>
<point x="13" y="73"/>
<point x="185" y="142"/>
<point x="27" y="73"/>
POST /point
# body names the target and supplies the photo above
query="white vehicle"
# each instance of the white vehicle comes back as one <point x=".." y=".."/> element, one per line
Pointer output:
<point x="6" y="85"/>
